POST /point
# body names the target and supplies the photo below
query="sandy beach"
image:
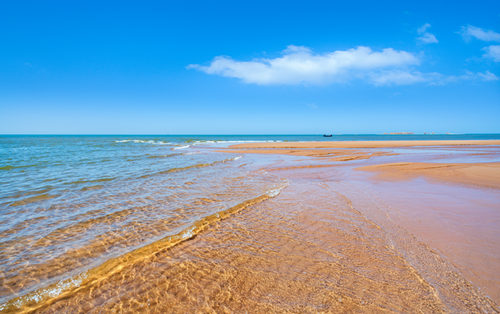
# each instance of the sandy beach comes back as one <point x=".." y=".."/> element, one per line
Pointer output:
<point x="480" y="174"/>
<point x="383" y="226"/>
<point x="344" y="150"/>
<point x="366" y="144"/>
<point x="464" y="243"/>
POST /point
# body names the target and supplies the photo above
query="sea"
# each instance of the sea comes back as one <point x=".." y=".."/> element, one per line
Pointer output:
<point x="73" y="207"/>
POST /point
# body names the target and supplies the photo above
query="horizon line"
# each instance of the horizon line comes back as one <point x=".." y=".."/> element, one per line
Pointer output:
<point x="239" y="134"/>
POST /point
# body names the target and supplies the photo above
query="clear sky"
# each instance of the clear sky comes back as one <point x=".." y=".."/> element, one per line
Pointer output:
<point x="252" y="67"/>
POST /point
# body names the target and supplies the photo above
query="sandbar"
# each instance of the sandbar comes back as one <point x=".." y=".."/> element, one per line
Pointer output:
<point x="479" y="174"/>
<point x="364" y="144"/>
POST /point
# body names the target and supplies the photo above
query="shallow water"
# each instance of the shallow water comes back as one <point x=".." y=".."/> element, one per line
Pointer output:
<point x="69" y="204"/>
<point x="309" y="249"/>
<point x="101" y="222"/>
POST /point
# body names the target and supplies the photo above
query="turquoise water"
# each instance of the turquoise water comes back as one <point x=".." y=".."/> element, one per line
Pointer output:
<point x="70" y="203"/>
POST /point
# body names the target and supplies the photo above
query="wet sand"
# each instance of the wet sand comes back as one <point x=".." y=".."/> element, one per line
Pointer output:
<point x="336" y="239"/>
<point x="331" y="154"/>
<point x="479" y="174"/>
<point x="472" y="247"/>
<point x="365" y="144"/>
<point x="307" y="250"/>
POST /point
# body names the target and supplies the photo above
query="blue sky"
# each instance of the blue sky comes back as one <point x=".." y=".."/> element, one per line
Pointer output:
<point x="259" y="67"/>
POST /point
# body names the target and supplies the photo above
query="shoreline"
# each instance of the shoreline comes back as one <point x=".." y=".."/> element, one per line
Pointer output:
<point x="335" y="237"/>
<point x="476" y="174"/>
<point x="483" y="174"/>
<point x="317" y="246"/>
<point x="365" y="144"/>
<point x="443" y="224"/>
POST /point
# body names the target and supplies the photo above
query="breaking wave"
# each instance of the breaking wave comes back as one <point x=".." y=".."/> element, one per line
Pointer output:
<point x="145" y="142"/>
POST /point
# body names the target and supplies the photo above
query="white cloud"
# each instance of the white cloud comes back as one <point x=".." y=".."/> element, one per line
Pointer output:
<point x="488" y="76"/>
<point x="433" y="78"/>
<point x="300" y="65"/>
<point x="423" y="28"/>
<point x="467" y="76"/>
<point x="470" y="31"/>
<point x="492" y="52"/>
<point x="425" y="36"/>
<point x="398" y="77"/>
<point x="428" y="38"/>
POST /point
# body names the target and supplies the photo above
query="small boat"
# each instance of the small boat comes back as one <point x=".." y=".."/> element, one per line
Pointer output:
<point x="327" y="135"/>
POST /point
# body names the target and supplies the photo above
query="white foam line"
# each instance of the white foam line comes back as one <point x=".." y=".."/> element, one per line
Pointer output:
<point x="228" y="142"/>
<point x="144" y="142"/>
<point x="277" y="191"/>
<point x="181" y="147"/>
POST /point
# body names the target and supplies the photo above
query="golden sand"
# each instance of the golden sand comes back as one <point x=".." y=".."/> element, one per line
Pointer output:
<point x="365" y="144"/>
<point x="307" y="250"/>
<point x="332" y="154"/>
<point x="480" y="174"/>
<point x="327" y="243"/>
<point x="480" y="265"/>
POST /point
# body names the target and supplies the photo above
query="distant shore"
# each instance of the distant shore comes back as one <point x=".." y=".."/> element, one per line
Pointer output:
<point x="486" y="175"/>
<point x="365" y="144"/>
